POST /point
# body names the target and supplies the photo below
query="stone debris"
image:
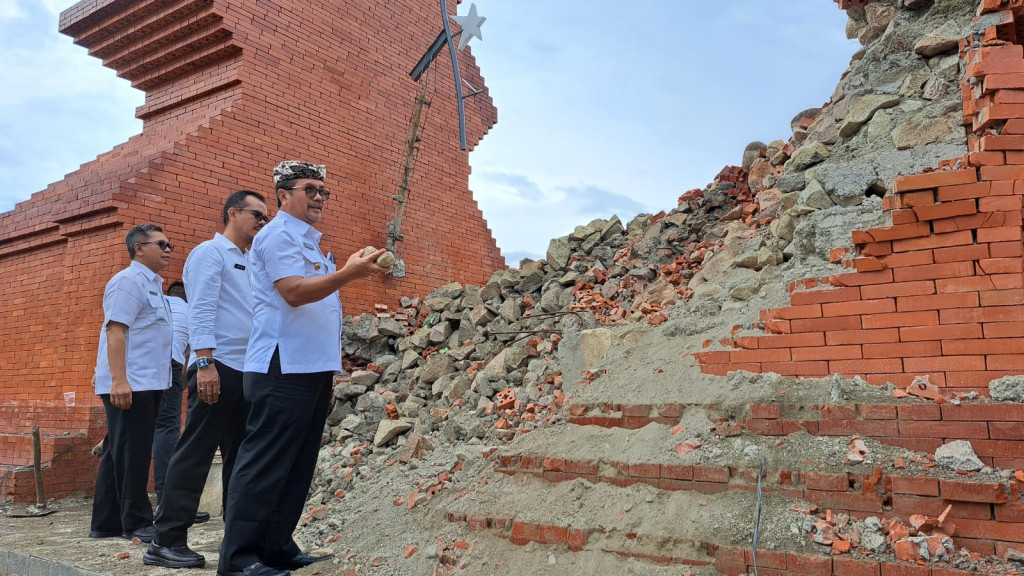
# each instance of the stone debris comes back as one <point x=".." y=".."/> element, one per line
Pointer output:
<point x="958" y="455"/>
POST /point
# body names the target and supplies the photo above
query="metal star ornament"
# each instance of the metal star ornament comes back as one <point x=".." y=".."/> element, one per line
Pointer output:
<point x="471" y="24"/>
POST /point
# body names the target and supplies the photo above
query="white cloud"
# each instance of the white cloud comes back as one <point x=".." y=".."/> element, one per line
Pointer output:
<point x="11" y="10"/>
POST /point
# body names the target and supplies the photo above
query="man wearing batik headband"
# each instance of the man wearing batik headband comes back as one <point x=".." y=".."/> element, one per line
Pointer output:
<point x="290" y="363"/>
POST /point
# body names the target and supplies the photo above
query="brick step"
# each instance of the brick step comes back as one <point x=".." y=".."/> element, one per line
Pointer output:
<point x="989" y="505"/>
<point x="661" y="528"/>
<point x="643" y="522"/>
<point x="992" y="427"/>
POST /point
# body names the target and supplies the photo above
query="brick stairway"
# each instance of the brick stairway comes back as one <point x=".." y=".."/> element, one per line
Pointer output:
<point x="673" y="518"/>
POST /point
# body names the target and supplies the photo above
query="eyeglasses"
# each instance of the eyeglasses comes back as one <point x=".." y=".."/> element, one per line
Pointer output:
<point x="311" y="191"/>
<point x="163" y="244"/>
<point x="259" y="216"/>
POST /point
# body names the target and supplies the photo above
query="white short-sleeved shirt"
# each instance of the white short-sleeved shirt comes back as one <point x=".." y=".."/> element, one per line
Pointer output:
<point x="308" y="335"/>
<point x="134" y="297"/>
<point x="179" y="321"/>
<point x="216" y="280"/>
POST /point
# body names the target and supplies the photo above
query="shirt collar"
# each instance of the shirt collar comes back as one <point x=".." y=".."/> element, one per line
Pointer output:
<point x="225" y="243"/>
<point x="149" y="274"/>
<point x="303" y="228"/>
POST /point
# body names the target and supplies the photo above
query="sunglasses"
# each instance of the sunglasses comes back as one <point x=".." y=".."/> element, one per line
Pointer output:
<point x="259" y="216"/>
<point x="163" y="244"/>
<point x="311" y="191"/>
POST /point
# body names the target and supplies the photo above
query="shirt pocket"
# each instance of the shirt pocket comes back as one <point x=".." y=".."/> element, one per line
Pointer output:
<point x="315" y="263"/>
<point x="156" y="304"/>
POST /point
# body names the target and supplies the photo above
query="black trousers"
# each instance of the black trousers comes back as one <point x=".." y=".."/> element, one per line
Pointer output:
<point x="275" y="465"/>
<point x="122" y="502"/>
<point x="168" y="429"/>
<point x="206" y="427"/>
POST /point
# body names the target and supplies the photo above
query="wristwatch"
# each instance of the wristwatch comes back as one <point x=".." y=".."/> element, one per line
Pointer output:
<point x="203" y="362"/>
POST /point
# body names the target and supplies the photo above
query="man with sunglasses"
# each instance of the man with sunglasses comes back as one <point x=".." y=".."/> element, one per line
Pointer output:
<point x="219" y="322"/>
<point x="133" y="368"/>
<point x="289" y="367"/>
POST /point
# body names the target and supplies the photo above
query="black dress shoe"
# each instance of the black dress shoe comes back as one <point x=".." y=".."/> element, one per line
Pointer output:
<point x="104" y="534"/>
<point x="144" y="534"/>
<point x="201" y="517"/>
<point x="257" y="569"/>
<point x="301" y="560"/>
<point x="173" y="557"/>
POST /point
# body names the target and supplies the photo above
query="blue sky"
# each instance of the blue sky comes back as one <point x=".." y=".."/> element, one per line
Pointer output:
<point x="603" y="107"/>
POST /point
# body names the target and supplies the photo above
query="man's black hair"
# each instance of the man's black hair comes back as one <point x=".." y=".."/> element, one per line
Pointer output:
<point x="176" y="287"/>
<point x="237" y="200"/>
<point x="138" y="235"/>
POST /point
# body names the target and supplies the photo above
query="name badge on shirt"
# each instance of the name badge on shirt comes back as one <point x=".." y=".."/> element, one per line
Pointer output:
<point x="151" y="293"/>
<point x="308" y="245"/>
<point x="239" y="267"/>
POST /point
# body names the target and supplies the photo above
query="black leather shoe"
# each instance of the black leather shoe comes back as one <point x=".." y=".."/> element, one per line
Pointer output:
<point x="257" y="569"/>
<point x="173" y="557"/>
<point x="301" y="560"/>
<point x="144" y="534"/>
<point x="201" y="517"/>
<point x="104" y="534"/>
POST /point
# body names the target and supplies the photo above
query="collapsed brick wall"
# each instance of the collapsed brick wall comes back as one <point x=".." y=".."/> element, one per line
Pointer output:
<point x="939" y="292"/>
<point x="231" y="89"/>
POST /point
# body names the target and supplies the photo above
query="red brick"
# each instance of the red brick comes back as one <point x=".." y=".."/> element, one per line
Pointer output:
<point x="933" y="271"/>
<point x="862" y="278"/>
<point x="904" y="569"/>
<point x="1003" y="329"/>
<point x="921" y="486"/>
<point x="990" y="492"/>
<point x="881" y="336"/>
<point x="999" y="203"/>
<point x="981" y="529"/>
<point x="759" y="355"/>
<point x="766" y="411"/>
<point x="963" y="191"/>
<point x="999" y="234"/>
<point x="889" y="233"/>
<point x="810" y="564"/>
<point x="825" y="324"/>
<point x="968" y="284"/>
<point x="991" y="314"/>
<point x="710" y="474"/>
<point x="961" y="253"/>
<point x="1002" y="172"/>
<point x="826" y="481"/>
<point x="919" y="288"/>
<point x="898" y="319"/>
<point x="958" y="430"/>
<point x="903" y="350"/>
<point x="912" y="199"/>
<point x="1013" y="512"/>
<point x="859" y="307"/>
<point x="791" y="340"/>
<point x="904" y="259"/>
<point x="805" y="297"/>
<point x="938" y="301"/>
<point x="846" y="501"/>
<point x="1005" y="249"/>
<point x="878" y="411"/>
<point x="983" y="346"/>
<point x="919" y="411"/>
<point x="1002" y="297"/>
<point x="852" y="566"/>
<point x="951" y="209"/>
<point x="934" y="180"/>
<point x="810" y="368"/>
<point x="1007" y="362"/>
<point x="850" y="352"/>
